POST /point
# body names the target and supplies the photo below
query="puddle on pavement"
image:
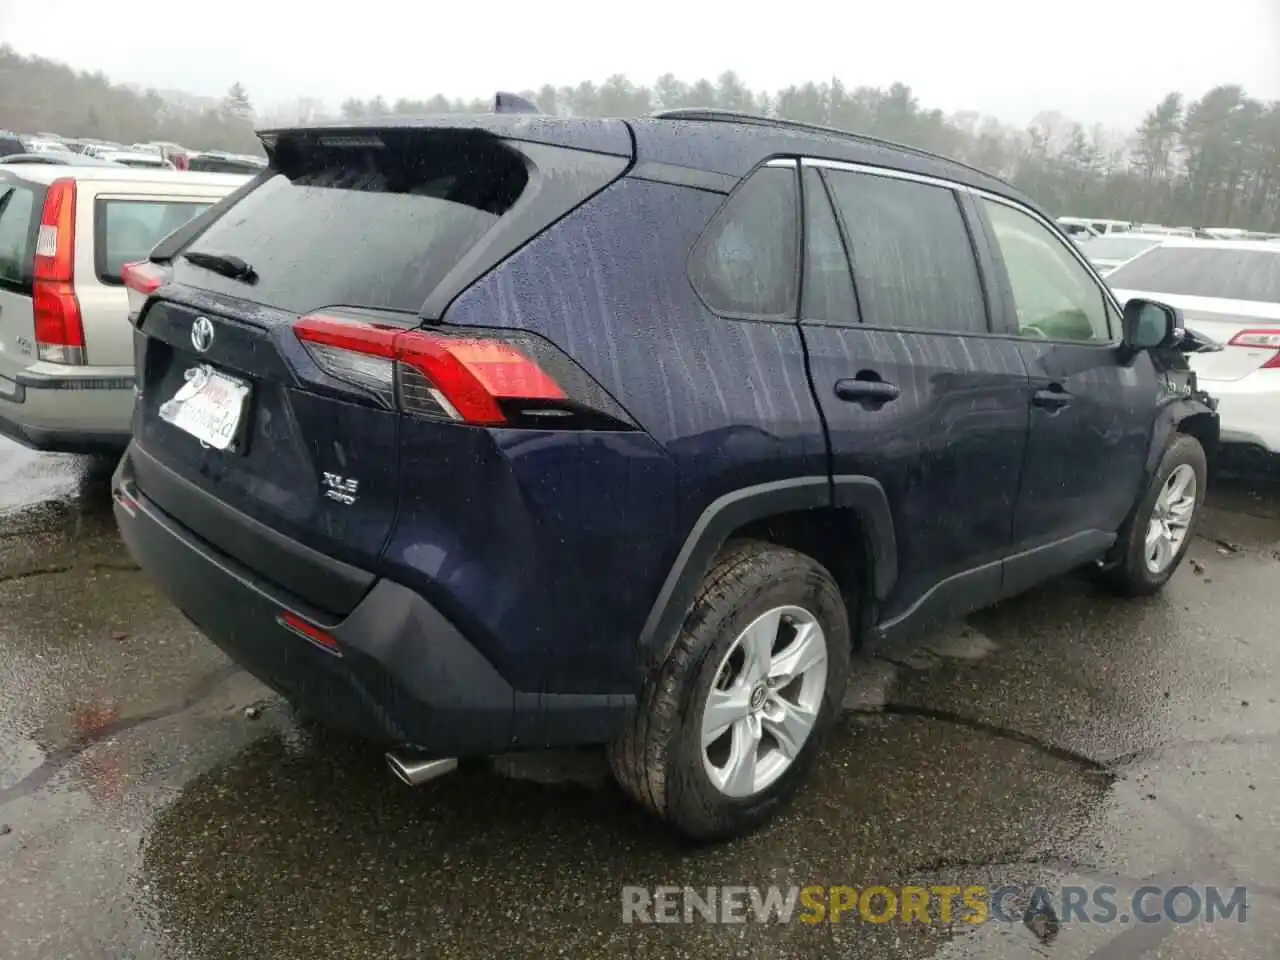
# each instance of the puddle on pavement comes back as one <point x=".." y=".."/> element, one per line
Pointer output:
<point x="150" y="818"/>
<point x="286" y="856"/>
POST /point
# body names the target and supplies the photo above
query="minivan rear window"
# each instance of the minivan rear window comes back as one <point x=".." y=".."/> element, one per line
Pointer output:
<point x="361" y="225"/>
<point x="17" y="207"/>
<point x="127" y="230"/>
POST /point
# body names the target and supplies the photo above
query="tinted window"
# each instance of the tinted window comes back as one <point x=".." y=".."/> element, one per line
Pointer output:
<point x="221" y="165"/>
<point x="828" y="287"/>
<point x="370" y="227"/>
<point x="129" y="229"/>
<point x="1055" y="296"/>
<point x="1204" y="271"/>
<point x="913" y="262"/>
<point x="746" y="262"/>
<point x="16" y="207"/>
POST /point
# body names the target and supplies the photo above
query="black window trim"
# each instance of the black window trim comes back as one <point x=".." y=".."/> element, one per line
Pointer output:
<point x="1108" y="297"/>
<point x="23" y="287"/>
<point x="100" y="226"/>
<point x="992" y="305"/>
<point x="781" y="162"/>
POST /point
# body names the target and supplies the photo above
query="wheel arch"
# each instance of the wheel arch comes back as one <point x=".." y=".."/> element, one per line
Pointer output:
<point x="810" y="514"/>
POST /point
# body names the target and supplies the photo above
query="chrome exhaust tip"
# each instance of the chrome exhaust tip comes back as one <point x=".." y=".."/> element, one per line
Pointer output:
<point x="415" y="772"/>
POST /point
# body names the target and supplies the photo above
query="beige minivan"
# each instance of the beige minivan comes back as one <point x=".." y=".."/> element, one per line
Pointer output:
<point x="66" y="347"/>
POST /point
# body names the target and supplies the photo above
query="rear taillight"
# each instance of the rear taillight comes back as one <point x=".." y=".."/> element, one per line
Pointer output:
<point x="141" y="279"/>
<point x="58" y="327"/>
<point x="1260" y="339"/>
<point x="481" y="377"/>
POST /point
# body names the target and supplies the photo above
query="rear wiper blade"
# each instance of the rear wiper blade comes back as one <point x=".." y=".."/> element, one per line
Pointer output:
<point x="224" y="264"/>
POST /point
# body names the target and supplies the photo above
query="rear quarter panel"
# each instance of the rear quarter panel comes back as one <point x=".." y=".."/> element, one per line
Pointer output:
<point x="727" y="404"/>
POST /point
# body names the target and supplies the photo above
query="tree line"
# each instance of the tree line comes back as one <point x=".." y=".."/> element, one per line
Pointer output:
<point x="1211" y="161"/>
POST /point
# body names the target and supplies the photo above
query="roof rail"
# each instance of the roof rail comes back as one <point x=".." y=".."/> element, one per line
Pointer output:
<point x="715" y="114"/>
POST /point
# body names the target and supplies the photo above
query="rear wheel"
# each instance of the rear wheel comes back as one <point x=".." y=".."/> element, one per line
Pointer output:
<point x="1157" y="536"/>
<point x="729" y="725"/>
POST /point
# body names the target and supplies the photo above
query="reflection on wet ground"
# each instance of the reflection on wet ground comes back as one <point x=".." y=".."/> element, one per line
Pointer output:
<point x="155" y="802"/>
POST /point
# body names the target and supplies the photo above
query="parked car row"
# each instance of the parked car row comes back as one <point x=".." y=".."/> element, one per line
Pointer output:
<point x="46" y="148"/>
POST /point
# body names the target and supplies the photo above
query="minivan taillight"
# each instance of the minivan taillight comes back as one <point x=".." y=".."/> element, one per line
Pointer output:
<point x="141" y="279"/>
<point x="58" y="327"/>
<point x="480" y="377"/>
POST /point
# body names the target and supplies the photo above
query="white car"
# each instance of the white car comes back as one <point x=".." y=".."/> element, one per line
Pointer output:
<point x="1229" y="291"/>
<point x="66" y="345"/>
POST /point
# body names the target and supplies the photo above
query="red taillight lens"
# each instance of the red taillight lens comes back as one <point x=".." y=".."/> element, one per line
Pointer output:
<point x="459" y="377"/>
<point x="58" y="327"/>
<point x="1260" y="339"/>
<point x="141" y="279"/>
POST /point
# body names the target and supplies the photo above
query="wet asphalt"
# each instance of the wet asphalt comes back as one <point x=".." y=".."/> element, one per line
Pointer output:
<point x="156" y="802"/>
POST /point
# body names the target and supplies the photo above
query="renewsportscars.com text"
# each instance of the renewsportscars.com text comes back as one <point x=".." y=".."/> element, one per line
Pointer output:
<point x="937" y="904"/>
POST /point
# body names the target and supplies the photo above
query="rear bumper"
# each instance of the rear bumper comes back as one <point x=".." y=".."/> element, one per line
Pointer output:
<point x="1247" y="409"/>
<point x="403" y="676"/>
<point x="67" y="414"/>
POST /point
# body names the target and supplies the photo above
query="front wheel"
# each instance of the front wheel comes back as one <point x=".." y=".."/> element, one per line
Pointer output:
<point x="728" y="726"/>
<point x="1155" y="539"/>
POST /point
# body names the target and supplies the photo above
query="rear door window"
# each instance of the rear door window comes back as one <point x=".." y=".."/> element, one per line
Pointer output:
<point x="747" y="262"/>
<point x="361" y="226"/>
<point x="17" y="206"/>
<point x="128" y="230"/>
<point x="913" y="261"/>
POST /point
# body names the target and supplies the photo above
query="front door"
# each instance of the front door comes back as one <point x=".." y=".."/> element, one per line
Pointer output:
<point x="916" y="391"/>
<point x="1092" y="409"/>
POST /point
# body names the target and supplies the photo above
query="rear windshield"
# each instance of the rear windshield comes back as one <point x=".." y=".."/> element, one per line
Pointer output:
<point x="362" y="225"/>
<point x="127" y="230"/>
<point x="1116" y="247"/>
<point x="1206" y="271"/>
<point x="17" y="206"/>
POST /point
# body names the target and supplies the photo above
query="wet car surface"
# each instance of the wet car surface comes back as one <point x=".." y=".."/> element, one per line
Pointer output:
<point x="157" y="802"/>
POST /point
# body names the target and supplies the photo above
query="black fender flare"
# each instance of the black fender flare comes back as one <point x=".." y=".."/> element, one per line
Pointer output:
<point x="863" y="495"/>
<point x="1177" y="416"/>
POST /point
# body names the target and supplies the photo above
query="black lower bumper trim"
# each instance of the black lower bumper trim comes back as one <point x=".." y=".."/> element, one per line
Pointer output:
<point x="406" y="676"/>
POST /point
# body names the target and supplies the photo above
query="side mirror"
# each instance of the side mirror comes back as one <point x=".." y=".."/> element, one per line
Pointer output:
<point x="1149" y="325"/>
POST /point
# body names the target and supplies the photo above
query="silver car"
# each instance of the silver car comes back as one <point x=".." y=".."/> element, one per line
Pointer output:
<point x="66" y="346"/>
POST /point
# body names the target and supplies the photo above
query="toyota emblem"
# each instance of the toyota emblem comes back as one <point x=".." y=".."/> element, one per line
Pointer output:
<point x="202" y="334"/>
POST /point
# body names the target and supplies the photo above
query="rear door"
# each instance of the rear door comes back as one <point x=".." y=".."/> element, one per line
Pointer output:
<point x="124" y="225"/>
<point x="19" y="216"/>
<point x="1092" y="413"/>
<point x="916" y="390"/>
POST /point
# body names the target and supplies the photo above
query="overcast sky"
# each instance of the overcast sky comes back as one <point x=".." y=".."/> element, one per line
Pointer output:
<point x="1095" y="60"/>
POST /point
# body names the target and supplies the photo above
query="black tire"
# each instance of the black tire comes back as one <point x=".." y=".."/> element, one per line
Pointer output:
<point x="1129" y="575"/>
<point x="658" y="758"/>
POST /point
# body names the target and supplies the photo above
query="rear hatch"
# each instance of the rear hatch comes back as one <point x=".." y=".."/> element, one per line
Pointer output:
<point x="352" y="239"/>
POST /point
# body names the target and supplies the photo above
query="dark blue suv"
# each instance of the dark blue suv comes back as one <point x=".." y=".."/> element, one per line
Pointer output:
<point x="486" y="433"/>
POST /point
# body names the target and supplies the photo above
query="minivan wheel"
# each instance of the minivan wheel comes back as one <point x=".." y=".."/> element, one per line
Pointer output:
<point x="729" y="724"/>
<point x="1155" y="539"/>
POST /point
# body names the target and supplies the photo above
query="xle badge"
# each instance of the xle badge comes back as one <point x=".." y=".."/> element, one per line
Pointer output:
<point x="342" y="489"/>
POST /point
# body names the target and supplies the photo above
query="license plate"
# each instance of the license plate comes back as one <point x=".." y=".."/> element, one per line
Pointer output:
<point x="209" y="406"/>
